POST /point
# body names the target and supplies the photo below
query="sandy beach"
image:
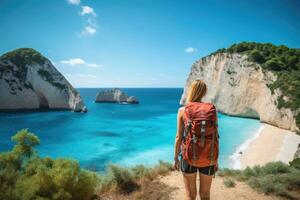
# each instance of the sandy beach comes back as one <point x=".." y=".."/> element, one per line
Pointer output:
<point x="269" y="144"/>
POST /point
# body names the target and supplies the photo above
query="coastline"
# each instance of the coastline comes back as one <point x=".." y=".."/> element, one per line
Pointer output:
<point x="269" y="144"/>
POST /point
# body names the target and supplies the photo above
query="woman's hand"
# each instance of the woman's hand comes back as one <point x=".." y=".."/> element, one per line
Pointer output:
<point x="176" y="164"/>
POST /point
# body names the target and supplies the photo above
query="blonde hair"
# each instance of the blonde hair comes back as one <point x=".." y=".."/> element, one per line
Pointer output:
<point x="196" y="91"/>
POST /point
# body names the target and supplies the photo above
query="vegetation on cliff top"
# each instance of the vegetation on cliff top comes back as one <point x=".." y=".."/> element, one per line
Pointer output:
<point x="283" y="62"/>
<point x="21" y="58"/>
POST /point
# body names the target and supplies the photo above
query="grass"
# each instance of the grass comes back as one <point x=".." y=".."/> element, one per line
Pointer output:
<point x="229" y="182"/>
<point x="127" y="180"/>
<point x="273" y="178"/>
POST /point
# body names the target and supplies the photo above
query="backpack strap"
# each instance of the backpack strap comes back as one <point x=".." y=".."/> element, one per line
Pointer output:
<point x="215" y="136"/>
<point x="187" y="127"/>
<point x="202" y="131"/>
<point x="212" y="148"/>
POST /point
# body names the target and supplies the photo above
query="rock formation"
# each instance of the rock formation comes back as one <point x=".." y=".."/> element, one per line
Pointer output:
<point x="115" y="96"/>
<point x="30" y="81"/>
<point x="239" y="87"/>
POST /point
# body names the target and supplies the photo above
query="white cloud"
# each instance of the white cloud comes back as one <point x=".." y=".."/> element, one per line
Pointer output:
<point x="86" y="10"/>
<point x="191" y="50"/>
<point x="88" y="30"/>
<point x="73" y="61"/>
<point x="74" y="2"/>
<point x="79" y="61"/>
<point x="91" y="24"/>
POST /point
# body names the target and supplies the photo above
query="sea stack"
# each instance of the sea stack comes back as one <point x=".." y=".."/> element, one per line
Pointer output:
<point x="240" y="86"/>
<point x="115" y="96"/>
<point x="28" y="80"/>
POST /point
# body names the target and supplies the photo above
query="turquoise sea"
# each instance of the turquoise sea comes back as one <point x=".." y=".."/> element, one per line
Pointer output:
<point x="120" y="134"/>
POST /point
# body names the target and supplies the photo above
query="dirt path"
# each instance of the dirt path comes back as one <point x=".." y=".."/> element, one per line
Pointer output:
<point x="219" y="192"/>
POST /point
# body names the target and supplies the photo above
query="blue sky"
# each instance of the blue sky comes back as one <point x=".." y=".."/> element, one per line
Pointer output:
<point x="140" y="43"/>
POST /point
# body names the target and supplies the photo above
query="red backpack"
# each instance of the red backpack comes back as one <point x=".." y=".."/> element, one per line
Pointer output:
<point x="200" y="145"/>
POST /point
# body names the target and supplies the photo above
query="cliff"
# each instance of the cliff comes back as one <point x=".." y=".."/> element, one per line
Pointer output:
<point x="240" y="87"/>
<point x="28" y="80"/>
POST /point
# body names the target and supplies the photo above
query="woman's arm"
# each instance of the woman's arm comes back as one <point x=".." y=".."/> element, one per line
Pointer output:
<point x="178" y="138"/>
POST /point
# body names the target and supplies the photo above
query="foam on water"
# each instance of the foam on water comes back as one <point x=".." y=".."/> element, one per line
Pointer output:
<point x="242" y="148"/>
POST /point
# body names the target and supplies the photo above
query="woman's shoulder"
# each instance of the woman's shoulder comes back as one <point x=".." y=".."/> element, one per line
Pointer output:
<point x="181" y="109"/>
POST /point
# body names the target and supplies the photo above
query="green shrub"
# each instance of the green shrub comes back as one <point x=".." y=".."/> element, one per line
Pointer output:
<point x="274" y="64"/>
<point x="275" y="168"/>
<point x="127" y="180"/>
<point x="292" y="179"/>
<point x="256" y="56"/>
<point x="122" y="178"/>
<point x="292" y="61"/>
<point x="273" y="178"/>
<point x="142" y="172"/>
<point x="228" y="172"/>
<point x="24" y="175"/>
<point x="248" y="172"/>
<point x="162" y="168"/>
<point x="269" y="184"/>
<point x="229" y="182"/>
<point x="295" y="163"/>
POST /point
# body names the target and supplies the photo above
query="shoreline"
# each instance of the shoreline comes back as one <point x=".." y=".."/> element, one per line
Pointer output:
<point x="236" y="156"/>
<point x="268" y="144"/>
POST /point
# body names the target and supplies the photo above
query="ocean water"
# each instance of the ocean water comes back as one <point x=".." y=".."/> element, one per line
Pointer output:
<point x="121" y="134"/>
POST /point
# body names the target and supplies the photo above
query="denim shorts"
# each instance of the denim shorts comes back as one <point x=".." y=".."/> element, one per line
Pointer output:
<point x="189" y="169"/>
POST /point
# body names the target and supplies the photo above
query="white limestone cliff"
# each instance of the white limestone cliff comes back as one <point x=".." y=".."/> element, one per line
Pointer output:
<point x="31" y="84"/>
<point x="239" y="87"/>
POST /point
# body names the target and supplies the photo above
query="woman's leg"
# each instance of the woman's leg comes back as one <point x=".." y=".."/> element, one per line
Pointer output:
<point x="190" y="185"/>
<point x="205" y="184"/>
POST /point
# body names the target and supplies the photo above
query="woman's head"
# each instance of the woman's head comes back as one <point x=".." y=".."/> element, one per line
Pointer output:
<point x="196" y="91"/>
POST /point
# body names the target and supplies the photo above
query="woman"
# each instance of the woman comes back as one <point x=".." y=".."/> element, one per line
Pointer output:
<point x="188" y="167"/>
